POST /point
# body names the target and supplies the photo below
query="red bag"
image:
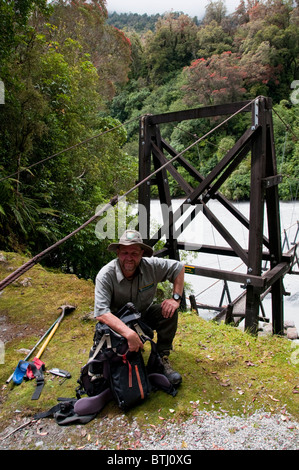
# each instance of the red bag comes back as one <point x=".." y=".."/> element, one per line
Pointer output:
<point x="35" y="370"/>
<point x="38" y="364"/>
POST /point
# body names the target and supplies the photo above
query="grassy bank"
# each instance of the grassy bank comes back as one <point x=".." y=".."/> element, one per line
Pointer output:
<point x="223" y="368"/>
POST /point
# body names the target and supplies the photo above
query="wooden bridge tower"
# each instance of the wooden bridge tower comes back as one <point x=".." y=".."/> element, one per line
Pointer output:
<point x="258" y="141"/>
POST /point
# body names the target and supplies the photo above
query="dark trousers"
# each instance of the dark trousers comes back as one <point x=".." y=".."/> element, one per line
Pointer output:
<point x="165" y="327"/>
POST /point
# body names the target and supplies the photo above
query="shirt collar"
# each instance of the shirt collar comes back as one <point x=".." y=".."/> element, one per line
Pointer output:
<point x="141" y="267"/>
<point x="118" y="271"/>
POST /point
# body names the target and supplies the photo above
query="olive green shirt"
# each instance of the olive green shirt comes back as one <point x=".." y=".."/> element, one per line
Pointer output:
<point x="113" y="290"/>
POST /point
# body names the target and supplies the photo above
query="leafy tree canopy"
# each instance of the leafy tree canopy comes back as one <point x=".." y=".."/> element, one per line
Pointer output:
<point x="74" y="74"/>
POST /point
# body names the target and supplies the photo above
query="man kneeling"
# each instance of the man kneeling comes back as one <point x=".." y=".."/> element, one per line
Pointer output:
<point x="133" y="277"/>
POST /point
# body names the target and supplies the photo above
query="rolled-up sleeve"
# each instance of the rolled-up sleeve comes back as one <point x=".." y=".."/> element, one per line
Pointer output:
<point x="167" y="269"/>
<point x="103" y="294"/>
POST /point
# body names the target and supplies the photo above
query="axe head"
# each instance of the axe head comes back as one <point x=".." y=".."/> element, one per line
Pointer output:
<point x="67" y="308"/>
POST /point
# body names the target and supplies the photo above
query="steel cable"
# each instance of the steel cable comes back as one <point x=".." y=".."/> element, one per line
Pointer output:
<point x="29" y="264"/>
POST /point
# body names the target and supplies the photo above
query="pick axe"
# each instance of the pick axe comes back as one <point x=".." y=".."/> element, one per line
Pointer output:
<point x="66" y="309"/>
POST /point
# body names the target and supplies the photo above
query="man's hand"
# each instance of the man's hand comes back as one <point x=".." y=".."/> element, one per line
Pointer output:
<point x="115" y="323"/>
<point x="134" y="341"/>
<point x="169" y="306"/>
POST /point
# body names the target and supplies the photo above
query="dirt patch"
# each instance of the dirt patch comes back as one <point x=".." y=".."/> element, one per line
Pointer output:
<point x="10" y="331"/>
<point x="104" y="432"/>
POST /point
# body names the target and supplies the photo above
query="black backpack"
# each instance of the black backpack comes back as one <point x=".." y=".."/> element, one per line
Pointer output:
<point x="111" y="365"/>
<point x="113" y="372"/>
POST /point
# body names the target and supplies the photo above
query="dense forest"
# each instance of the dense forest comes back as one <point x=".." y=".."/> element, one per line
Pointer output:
<point x="76" y="80"/>
<point x="134" y="21"/>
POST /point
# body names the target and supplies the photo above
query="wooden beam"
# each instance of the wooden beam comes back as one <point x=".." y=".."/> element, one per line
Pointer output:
<point x="144" y="191"/>
<point x="227" y="251"/>
<point x="220" y="167"/>
<point x="247" y="279"/>
<point x="223" y="200"/>
<point x="198" y="113"/>
<point x="258" y="172"/>
<point x="270" y="181"/>
<point x="274" y="229"/>
<point x="225" y="234"/>
<point x="276" y="273"/>
<point x="162" y="158"/>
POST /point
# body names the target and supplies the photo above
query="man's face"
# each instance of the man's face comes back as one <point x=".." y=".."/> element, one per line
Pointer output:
<point x="129" y="258"/>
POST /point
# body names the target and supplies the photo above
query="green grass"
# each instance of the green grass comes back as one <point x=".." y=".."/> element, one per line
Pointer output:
<point x="223" y="368"/>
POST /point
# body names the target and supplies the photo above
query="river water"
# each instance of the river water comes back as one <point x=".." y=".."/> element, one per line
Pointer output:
<point x="207" y="290"/>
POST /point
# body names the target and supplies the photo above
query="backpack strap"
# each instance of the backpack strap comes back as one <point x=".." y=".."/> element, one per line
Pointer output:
<point x="141" y="333"/>
<point x="105" y="339"/>
<point x="49" y="413"/>
<point x="64" y="413"/>
<point x="131" y="317"/>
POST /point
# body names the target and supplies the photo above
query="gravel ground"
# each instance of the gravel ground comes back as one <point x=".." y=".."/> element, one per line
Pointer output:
<point x="207" y="430"/>
<point x="211" y="430"/>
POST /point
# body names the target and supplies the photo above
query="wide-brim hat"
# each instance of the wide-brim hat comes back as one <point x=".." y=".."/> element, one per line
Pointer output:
<point x="131" y="237"/>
